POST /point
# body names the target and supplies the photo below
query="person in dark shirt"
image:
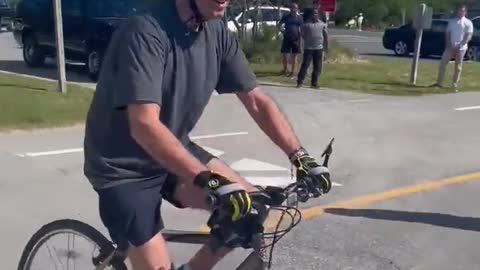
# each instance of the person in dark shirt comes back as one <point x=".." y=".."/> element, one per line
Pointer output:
<point x="315" y="43"/>
<point x="157" y="77"/>
<point x="290" y="25"/>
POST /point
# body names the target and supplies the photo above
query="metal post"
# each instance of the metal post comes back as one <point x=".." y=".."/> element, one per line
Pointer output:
<point x="418" y="43"/>
<point x="57" y="6"/>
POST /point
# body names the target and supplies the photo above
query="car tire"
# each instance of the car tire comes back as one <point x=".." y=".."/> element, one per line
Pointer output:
<point x="94" y="63"/>
<point x="472" y="54"/>
<point x="401" y="48"/>
<point x="33" y="54"/>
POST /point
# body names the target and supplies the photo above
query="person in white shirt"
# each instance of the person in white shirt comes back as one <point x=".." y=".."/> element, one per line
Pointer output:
<point x="459" y="33"/>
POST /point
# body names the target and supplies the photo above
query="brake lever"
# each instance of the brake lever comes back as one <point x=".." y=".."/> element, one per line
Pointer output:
<point x="328" y="151"/>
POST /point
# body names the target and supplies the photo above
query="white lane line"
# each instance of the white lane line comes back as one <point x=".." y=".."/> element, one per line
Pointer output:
<point x="218" y="135"/>
<point x="51" y="153"/>
<point x="275" y="181"/>
<point x="78" y="150"/>
<point x="359" y="100"/>
<point x="468" y="108"/>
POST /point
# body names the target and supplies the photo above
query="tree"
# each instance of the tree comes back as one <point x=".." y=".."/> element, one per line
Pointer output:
<point x="376" y="13"/>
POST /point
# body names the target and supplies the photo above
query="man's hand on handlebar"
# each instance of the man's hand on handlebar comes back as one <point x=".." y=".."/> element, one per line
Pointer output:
<point x="315" y="176"/>
<point x="229" y="197"/>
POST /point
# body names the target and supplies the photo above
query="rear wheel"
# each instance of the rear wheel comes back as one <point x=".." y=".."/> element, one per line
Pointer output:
<point x="94" y="63"/>
<point x="47" y="249"/>
<point x="472" y="54"/>
<point x="33" y="54"/>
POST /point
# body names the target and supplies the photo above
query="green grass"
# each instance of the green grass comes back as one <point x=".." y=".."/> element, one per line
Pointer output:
<point x="30" y="103"/>
<point x="386" y="77"/>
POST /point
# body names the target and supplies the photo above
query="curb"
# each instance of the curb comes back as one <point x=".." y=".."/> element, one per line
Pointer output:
<point x="87" y="85"/>
<point x="267" y="83"/>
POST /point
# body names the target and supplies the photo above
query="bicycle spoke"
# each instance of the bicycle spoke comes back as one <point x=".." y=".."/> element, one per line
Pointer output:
<point x="59" y="260"/>
<point x="50" y="254"/>
<point x="68" y="250"/>
<point x="73" y="243"/>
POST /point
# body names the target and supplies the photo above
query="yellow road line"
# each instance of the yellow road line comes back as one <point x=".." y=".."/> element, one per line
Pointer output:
<point x="381" y="196"/>
<point x="390" y="194"/>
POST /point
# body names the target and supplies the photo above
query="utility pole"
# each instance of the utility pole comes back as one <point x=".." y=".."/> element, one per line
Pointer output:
<point x="57" y="6"/>
<point x="420" y="23"/>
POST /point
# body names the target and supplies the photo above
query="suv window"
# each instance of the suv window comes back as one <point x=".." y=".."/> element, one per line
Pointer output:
<point x="113" y="8"/>
<point x="272" y="14"/>
<point x="476" y="24"/>
<point x="439" y="26"/>
<point x="40" y="6"/>
<point x="250" y="14"/>
<point x="72" y="7"/>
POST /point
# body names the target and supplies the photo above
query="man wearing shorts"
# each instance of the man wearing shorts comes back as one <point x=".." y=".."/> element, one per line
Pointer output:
<point x="291" y="25"/>
<point x="157" y="77"/>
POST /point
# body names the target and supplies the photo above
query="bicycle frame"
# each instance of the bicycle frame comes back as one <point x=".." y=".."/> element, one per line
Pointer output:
<point x="253" y="261"/>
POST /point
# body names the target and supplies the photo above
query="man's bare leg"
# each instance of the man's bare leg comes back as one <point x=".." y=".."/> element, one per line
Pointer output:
<point x="152" y="255"/>
<point x="285" y="63"/>
<point x="293" y="60"/>
<point x="193" y="197"/>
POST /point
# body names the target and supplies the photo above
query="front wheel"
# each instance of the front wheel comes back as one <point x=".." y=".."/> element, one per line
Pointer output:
<point x="33" y="54"/>
<point x="69" y="244"/>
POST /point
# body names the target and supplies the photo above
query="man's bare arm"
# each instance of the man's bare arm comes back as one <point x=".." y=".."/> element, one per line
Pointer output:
<point x="270" y="119"/>
<point x="160" y="143"/>
<point x="466" y="38"/>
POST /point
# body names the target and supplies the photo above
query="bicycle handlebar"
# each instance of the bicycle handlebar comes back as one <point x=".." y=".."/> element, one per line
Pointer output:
<point x="248" y="231"/>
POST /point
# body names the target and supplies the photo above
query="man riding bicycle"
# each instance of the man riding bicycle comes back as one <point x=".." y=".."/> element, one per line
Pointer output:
<point x="157" y="77"/>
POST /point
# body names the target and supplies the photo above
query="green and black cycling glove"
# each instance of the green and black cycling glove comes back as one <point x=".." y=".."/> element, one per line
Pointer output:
<point x="307" y="168"/>
<point x="228" y="196"/>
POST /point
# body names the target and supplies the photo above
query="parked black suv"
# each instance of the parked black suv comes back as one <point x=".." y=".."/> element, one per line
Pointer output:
<point x="87" y="28"/>
<point x="402" y="40"/>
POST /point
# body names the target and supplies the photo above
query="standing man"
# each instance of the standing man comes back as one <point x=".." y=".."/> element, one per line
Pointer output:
<point x="360" y="21"/>
<point x="315" y="41"/>
<point x="290" y="25"/>
<point x="459" y="33"/>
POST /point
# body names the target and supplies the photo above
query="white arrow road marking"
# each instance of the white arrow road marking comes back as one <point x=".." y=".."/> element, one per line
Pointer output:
<point x="275" y="181"/>
<point x="213" y="151"/>
<point x="247" y="164"/>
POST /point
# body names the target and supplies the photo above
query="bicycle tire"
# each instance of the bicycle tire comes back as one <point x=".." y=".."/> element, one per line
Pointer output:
<point x="62" y="225"/>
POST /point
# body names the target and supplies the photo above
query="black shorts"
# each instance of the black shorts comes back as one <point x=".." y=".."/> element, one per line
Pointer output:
<point x="290" y="46"/>
<point x="131" y="211"/>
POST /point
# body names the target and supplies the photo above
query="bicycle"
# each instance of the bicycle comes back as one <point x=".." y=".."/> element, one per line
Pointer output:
<point x="249" y="237"/>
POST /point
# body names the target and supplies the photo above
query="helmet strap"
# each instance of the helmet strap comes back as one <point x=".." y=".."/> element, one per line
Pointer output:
<point x="195" y="22"/>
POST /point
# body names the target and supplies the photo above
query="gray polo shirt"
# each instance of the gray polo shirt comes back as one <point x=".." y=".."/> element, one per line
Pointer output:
<point x="155" y="58"/>
<point x="313" y="35"/>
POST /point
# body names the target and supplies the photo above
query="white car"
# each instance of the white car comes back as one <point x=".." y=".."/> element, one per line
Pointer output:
<point x="268" y="15"/>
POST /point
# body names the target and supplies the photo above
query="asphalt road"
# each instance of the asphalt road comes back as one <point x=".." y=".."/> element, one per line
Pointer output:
<point x="365" y="43"/>
<point x="382" y="143"/>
